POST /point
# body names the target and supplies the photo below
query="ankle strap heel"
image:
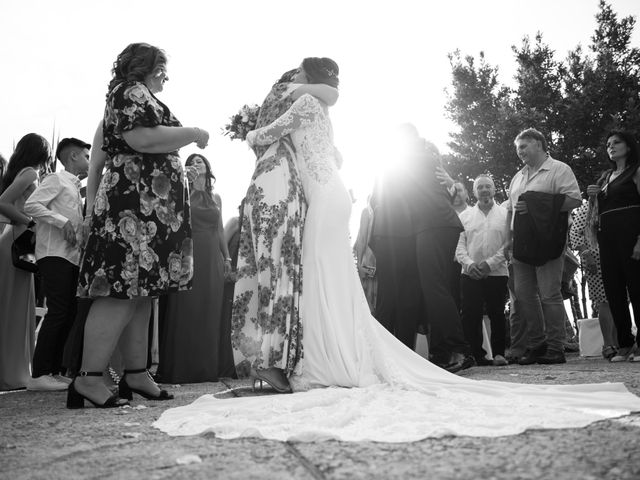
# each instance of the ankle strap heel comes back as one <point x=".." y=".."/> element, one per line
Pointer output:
<point x="76" y="400"/>
<point x="125" y="391"/>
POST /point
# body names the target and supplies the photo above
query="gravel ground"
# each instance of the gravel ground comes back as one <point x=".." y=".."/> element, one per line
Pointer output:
<point x="39" y="439"/>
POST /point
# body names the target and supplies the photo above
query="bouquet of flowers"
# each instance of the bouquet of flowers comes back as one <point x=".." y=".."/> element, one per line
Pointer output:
<point x="242" y="122"/>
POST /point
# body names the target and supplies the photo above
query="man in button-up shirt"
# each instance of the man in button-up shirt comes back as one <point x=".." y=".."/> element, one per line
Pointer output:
<point x="537" y="288"/>
<point x="480" y="251"/>
<point x="56" y="207"/>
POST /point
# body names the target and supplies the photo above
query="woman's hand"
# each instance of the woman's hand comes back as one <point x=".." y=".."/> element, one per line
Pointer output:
<point x="227" y="267"/>
<point x="202" y="138"/>
<point x="589" y="261"/>
<point x="593" y="190"/>
<point x="83" y="232"/>
<point x="192" y="173"/>
<point x="251" y="138"/>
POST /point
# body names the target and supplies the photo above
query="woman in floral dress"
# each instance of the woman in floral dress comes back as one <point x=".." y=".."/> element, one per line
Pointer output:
<point x="139" y="243"/>
<point x="266" y="332"/>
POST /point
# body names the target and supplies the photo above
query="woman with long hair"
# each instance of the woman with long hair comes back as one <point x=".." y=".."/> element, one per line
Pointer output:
<point x="31" y="157"/>
<point x="195" y="345"/>
<point x="618" y="207"/>
<point x="266" y="333"/>
<point x="139" y="241"/>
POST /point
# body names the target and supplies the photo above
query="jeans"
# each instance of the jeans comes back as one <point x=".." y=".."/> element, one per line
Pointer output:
<point x="540" y="300"/>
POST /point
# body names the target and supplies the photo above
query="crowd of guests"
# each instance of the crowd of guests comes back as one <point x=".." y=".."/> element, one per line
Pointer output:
<point x="509" y="256"/>
<point x="148" y="227"/>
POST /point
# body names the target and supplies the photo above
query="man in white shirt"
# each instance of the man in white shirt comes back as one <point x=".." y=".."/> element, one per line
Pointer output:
<point x="537" y="288"/>
<point x="56" y="207"/>
<point x="480" y="251"/>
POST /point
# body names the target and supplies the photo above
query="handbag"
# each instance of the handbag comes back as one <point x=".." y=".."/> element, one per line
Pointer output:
<point x="23" y="251"/>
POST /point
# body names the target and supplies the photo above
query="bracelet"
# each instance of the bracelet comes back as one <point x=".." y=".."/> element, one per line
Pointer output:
<point x="227" y="260"/>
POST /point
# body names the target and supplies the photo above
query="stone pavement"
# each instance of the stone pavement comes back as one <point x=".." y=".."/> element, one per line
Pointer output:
<point x="41" y="439"/>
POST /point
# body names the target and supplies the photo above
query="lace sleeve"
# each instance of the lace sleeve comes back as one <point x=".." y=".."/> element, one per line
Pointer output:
<point x="300" y="114"/>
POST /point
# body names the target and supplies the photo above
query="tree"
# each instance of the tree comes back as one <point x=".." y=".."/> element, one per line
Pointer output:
<point x="574" y="102"/>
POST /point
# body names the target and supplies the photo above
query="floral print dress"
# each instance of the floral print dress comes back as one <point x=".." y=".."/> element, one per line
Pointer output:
<point x="266" y="329"/>
<point x="140" y="239"/>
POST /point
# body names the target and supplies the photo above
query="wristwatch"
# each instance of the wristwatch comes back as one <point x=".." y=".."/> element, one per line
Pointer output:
<point x="31" y="224"/>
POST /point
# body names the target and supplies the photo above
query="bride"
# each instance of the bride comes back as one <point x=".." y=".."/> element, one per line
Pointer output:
<point x="394" y="394"/>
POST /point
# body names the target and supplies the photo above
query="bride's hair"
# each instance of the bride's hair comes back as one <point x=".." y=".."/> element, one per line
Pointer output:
<point x="135" y="62"/>
<point x="321" y="70"/>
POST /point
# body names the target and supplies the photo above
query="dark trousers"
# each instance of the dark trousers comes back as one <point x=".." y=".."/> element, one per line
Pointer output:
<point x="399" y="302"/>
<point x="59" y="279"/>
<point x="620" y="273"/>
<point x="489" y="293"/>
<point x="72" y="357"/>
<point x="435" y="249"/>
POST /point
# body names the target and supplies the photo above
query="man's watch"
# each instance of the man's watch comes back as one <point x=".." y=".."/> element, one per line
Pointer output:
<point x="31" y="224"/>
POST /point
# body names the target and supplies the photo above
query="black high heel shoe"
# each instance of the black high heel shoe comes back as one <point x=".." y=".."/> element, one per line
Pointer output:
<point x="127" y="392"/>
<point x="275" y="377"/>
<point x="76" y="400"/>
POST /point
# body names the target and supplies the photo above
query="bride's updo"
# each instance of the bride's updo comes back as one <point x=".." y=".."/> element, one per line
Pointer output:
<point x="135" y="62"/>
<point x="321" y="70"/>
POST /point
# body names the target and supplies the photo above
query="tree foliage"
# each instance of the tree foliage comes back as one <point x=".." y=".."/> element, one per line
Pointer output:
<point x="574" y="102"/>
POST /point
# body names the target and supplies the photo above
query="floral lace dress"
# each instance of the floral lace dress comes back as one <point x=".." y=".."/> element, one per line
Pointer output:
<point x="140" y="240"/>
<point x="265" y="322"/>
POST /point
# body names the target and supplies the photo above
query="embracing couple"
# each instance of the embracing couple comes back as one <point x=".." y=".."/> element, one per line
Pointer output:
<point x="300" y="317"/>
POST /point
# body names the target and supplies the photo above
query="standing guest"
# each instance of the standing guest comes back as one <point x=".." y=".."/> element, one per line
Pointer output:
<point x="139" y="241"/>
<point x="484" y="279"/>
<point x="365" y="259"/>
<point x="460" y="204"/>
<point x="618" y="204"/>
<point x="589" y="253"/>
<point x="17" y="296"/>
<point x="460" y="200"/>
<point x="56" y="206"/>
<point x="232" y="239"/>
<point x="540" y="196"/>
<point x="192" y="349"/>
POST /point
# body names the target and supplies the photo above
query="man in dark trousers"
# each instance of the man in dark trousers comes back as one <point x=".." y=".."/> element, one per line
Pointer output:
<point x="415" y="233"/>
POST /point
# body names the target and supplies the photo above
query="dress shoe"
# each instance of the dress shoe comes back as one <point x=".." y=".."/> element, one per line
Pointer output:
<point x="483" y="362"/>
<point x="552" y="357"/>
<point x="46" y="383"/>
<point x="499" y="361"/>
<point x="460" y="362"/>
<point x="531" y="356"/>
<point x="625" y="354"/>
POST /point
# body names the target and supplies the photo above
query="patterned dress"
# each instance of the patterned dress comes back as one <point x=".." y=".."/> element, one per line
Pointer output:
<point x="265" y="328"/>
<point x="140" y="240"/>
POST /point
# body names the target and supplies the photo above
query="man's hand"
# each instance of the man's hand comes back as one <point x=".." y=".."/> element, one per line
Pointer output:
<point x="69" y="233"/>
<point x="636" y="250"/>
<point x="484" y="269"/>
<point x="521" y="207"/>
<point x="474" y="271"/>
<point x="444" y="178"/>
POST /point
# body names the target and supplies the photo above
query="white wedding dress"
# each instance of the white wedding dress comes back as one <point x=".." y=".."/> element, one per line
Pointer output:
<point x="378" y="390"/>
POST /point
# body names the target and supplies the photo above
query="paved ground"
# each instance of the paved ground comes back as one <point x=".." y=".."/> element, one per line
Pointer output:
<point x="39" y="438"/>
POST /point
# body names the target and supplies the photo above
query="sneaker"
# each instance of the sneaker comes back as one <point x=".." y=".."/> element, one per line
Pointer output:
<point x="531" y="356"/>
<point x="499" y="361"/>
<point x="63" y="379"/>
<point x="45" y="383"/>
<point x="625" y="354"/>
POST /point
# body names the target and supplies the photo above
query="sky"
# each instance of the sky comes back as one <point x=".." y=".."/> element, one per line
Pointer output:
<point x="56" y="57"/>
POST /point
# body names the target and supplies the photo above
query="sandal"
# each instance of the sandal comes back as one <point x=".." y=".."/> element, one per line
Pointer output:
<point x="609" y="351"/>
